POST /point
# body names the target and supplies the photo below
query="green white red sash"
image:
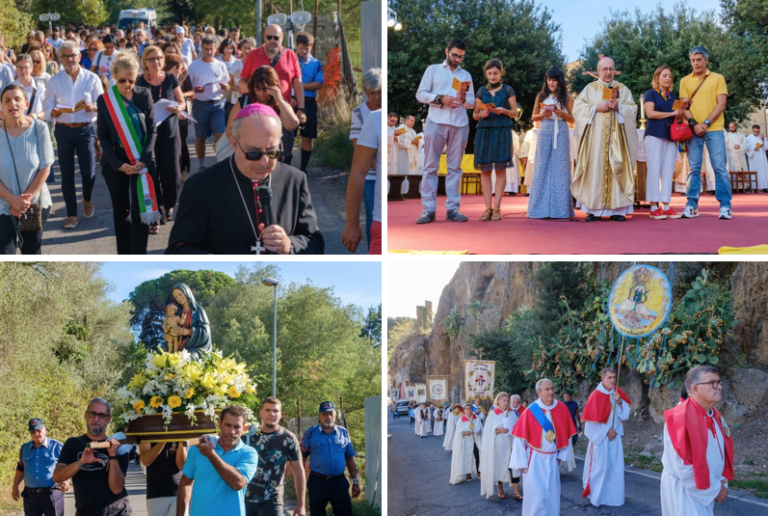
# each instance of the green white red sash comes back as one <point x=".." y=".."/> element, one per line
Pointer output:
<point x="133" y="148"/>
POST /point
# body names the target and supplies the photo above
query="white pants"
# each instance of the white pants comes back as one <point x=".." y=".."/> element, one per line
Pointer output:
<point x="660" y="160"/>
<point x="165" y="506"/>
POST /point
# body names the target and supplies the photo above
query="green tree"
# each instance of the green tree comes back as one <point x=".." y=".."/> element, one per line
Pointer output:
<point x="15" y="23"/>
<point x="150" y="298"/>
<point x="372" y="328"/>
<point x="90" y="12"/>
<point x="641" y="42"/>
<point x="398" y="329"/>
<point x="557" y="281"/>
<point x="518" y="32"/>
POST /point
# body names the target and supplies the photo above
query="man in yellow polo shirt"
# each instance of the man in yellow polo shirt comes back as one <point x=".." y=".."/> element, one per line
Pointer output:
<point x="705" y="116"/>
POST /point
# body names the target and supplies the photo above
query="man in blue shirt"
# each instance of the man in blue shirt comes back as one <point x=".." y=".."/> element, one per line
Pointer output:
<point x="312" y="79"/>
<point x="331" y="452"/>
<point x="217" y="471"/>
<point x="37" y="460"/>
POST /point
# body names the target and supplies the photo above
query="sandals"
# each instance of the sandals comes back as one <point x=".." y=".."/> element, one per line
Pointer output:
<point x="501" y="494"/>
<point x="486" y="216"/>
<point x="518" y="498"/>
<point x="469" y="477"/>
<point x="496" y="215"/>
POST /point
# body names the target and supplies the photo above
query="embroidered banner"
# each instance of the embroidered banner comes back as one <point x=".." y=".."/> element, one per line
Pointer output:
<point x="437" y="389"/>
<point x="640" y="301"/>
<point x="478" y="379"/>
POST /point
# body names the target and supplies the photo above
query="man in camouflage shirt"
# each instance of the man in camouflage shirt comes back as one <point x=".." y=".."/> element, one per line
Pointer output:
<point x="276" y="446"/>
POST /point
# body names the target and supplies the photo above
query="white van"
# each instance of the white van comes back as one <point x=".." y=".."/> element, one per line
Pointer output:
<point x="133" y="16"/>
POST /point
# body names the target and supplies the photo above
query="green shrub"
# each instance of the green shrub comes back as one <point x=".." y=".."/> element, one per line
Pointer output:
<point x="333" y="148"/>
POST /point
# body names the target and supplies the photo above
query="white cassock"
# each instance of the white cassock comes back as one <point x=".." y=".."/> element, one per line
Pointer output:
<point x="423" y="423"/>
<point x="438" y="429"/>
<point x="679" y="495"/>
<point x="495" y="453"/>
<point x="757" y="160"/>
<point x="542" y="482"/>
<point x="511" y="422"/>
<point x="406" y="152"/>
<point x="391" y="151"/>
<point x="604" y="463"/>
<point x="451" y="427"/>
<point x="463" y="459"/>
<point x="417" y="423"/>
<point x="736" y="160"/>
<point x="531" y="138"/>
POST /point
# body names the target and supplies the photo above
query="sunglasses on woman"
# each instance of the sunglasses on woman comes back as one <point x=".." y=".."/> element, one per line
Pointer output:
<point x="256" y="155"/>
<point x="123" y="81"/>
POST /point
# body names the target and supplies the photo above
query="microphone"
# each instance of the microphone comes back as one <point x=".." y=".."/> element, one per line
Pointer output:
<point x="265" y="204"/>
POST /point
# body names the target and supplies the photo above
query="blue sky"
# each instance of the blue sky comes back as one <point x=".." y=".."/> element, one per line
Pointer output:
<point x="580" y="20"/>
<point x="357" y="283"/>
<point x="412" y="283"/>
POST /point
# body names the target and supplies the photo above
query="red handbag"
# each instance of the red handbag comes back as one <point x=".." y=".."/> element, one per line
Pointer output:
<point x="680" y="131"/>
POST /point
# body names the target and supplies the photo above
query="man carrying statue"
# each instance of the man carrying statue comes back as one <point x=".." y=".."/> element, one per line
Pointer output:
<point x="603" y="182"/>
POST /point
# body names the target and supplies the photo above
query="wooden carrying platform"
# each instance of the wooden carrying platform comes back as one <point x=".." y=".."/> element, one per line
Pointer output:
<point x="151" y="429"/>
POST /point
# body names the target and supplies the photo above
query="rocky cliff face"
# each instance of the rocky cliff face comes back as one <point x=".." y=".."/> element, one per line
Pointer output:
<point x="502" y="287"/>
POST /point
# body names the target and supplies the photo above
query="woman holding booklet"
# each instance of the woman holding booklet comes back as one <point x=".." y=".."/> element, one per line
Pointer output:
<point x="126" y="129"/>
<point x="495" y="107"/>
<point x="661" y="104"/>
<point x="165" y="88"/>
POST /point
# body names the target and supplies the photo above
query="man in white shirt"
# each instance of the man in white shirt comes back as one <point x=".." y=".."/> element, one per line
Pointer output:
<point x="186" y="45"/>
<point x="75" y="132"/>
<point x="210" y="79"/>
<point x="448" y="129"/>
<point x="736" y="147"/>
<point x="55" y="41"/>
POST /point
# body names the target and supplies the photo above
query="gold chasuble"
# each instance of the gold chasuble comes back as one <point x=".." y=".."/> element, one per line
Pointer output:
<point x="604" y="177"/>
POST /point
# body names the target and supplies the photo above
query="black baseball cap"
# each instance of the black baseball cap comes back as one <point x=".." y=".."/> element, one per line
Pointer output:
<point x="327" y="406"/>
<point x="36" y="424"/>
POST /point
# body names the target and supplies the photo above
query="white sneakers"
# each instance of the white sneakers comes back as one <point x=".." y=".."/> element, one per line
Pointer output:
<point x="691" y="213"/>
<point x="725" y="214"/>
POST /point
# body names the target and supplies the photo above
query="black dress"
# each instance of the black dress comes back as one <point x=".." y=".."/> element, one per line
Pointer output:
<point x="212" y="217"/>
<point x="167" y="146"/>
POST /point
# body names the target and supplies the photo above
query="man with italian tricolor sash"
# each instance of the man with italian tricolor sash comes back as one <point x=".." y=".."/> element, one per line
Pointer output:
<point x="606" y="410"/>
<point x="698" y="449"/>
<point x="542" y="440"/>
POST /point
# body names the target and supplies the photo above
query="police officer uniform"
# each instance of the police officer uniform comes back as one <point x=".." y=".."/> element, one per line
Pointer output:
<point x="328" y="452"/>
<point x="42" y="496"/>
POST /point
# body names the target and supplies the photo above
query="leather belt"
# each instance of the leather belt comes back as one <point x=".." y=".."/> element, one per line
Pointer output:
<point x="326" y="477"/>
<point x="75" y="126"/>
<point x="208" y="101"/>
<point x="40" y="490"/>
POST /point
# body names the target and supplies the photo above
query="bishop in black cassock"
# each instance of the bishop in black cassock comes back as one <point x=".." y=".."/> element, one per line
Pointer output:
<point x="212" y="216"/>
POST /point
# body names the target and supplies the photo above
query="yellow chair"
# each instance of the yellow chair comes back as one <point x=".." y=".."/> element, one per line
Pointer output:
<point x="470" y="181"/>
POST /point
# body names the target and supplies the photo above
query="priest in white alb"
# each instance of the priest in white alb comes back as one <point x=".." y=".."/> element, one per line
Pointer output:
<point x="453" y="418"/>
<point x="515" y="411"/>
<point x="542" y="440"/>
<point x="606" y="128"/>
<point x="437" y="430"/>
<point x="603" y="415"/>
<point x="422" y="418"/>
<point x="698" y="449"/>
<point x="466" y="437"/>
<point x="736" y="148"/>
<point x="496" y="450"/>
<point x="757" y="161"/>
<point x="407" y="149"/>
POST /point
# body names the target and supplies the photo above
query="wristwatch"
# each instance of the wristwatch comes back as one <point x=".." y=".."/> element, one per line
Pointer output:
<point x="707" y="122"/>
<point x="302" y="109"/>
<point x="355" y="481"/>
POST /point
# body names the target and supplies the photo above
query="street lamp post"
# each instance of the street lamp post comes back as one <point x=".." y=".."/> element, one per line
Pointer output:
<point x="271" y="282"/>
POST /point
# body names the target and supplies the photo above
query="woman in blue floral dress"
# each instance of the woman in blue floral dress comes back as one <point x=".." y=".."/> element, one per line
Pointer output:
<point x="551" y="190"/>
<point x="493" y="136"/>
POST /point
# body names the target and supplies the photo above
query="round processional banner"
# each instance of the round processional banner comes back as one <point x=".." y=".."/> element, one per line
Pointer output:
<point x="640" y="301"/>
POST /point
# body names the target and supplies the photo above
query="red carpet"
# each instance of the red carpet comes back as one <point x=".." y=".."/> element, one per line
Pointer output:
<point x="516" y="234"/>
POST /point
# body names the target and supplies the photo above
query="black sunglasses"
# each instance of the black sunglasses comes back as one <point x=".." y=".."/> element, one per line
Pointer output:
<point x="123" y="81"/>
<point x="256" y="155"/>
<point x="270" y="38"/>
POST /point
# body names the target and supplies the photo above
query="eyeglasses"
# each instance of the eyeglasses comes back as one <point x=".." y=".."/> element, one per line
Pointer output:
<point x="716" y="384"/>
<point x="95" y="415"/>
<point x="93" y="49"/>
<point x="159" y="58"/>
<point x="129" y="81"/>
<point x="68" y="56"/>
<point x="272" y="38"/>
<point x="456" y="56"/>
<point x="256" y="155"/>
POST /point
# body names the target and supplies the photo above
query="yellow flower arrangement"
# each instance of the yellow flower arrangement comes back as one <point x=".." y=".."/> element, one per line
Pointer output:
<point x="156" y="402"/>
<point x="233" y="392"/>
<point x="138" y="405"/>
<point x="174" y="401"/>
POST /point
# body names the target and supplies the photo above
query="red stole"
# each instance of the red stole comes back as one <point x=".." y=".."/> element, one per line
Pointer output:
<point x="186" y="322"/>
<point x="687" y="427"/>
<point x="498" y="411"/>
<point x="464" y="418"/>
<point x="598" y="407"/>
<point x="530" y="430"/>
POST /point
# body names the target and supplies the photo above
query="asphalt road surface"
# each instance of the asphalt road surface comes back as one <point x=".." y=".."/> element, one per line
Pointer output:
<point x="97" y="234"/>
<point x="419" y="469"/>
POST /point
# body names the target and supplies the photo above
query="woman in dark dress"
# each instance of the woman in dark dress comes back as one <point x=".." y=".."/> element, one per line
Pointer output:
<point x="493" y="137"/>
<point x="174" y="64"/>
<point x="164" y="85"/>
<point x="131" y="216"/>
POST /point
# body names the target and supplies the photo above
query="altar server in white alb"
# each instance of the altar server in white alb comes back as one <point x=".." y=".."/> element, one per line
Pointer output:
<point x="466" y="437"/>
<point x="757" y="161"/>
<point x="698" y="449"/>
<point x="437" y="429"/>
<point x="453" y="418"/>
<point x="515" y="411"/>
<point x="736" y="145"/>
<point x="422" y="418"/>
<point x="606" y="410"/>
<point x="542" y="440"/>
<point x="496" y="450"/>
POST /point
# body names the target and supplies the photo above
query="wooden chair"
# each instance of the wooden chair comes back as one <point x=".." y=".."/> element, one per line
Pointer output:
<point x="395" y="187"/>
<point x="740" y="180"/>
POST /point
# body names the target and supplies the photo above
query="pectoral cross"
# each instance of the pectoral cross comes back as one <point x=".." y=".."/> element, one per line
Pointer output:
<point x="258" y="248"/>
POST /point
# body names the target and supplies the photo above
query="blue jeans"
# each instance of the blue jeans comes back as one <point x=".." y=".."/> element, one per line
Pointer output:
<point x="715" y="142"/>
<point x="370" y="188"/>
<point x="210" y="118"/>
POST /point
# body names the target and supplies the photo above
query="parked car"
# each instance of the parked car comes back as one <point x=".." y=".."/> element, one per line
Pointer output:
<point x="402" y="407"/>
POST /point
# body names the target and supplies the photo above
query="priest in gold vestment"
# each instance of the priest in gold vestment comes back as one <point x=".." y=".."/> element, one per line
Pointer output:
<point x="606" y="129"/>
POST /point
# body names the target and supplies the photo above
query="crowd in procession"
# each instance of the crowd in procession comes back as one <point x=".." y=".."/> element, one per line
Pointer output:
<point x="125" y="98"/>
<point x="584" y="149"/>
<point x="531" y="446"/>
<point x="220" y="475"/>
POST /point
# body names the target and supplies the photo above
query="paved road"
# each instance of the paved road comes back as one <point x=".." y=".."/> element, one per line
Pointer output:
<point x="418" y="485"/>
<point x="96" y="235"/>
<point x="136" y="484"/>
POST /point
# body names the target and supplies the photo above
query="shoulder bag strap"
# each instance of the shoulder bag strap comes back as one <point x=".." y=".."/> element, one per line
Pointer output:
<point x="276" y="58"/>
<point x="697" y="89"/>
<point x="32" y="102"/>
